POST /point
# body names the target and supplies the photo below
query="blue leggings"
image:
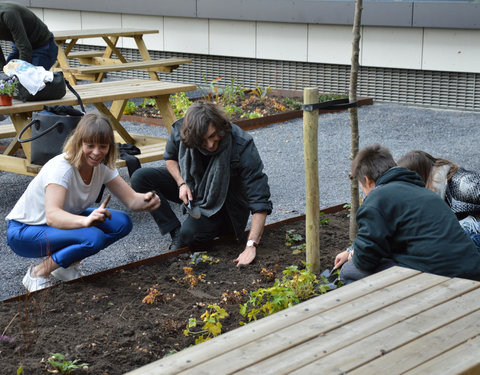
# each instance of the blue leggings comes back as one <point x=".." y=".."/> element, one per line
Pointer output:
<point x="67" y="246"/>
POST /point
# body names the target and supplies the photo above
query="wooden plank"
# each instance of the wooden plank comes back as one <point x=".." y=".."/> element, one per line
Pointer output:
<point x="330" y="341"/>
<point x="143" y="65"/>
<point x="15" y="165"/>
<point x="426" y="347"/>
<point x="463" y="359"/>
<point x="305" y="330"/>
<point x="229" y="341"/>
<point x="61" y="35"/>
<point x="103" y="92"/>
<point x="373" y="347"/>
<point x="7" y="131"/>
<point x="84" y="54"/>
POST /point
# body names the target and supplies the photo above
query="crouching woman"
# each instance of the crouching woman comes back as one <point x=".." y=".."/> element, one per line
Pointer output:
<point x="54" y="218"/>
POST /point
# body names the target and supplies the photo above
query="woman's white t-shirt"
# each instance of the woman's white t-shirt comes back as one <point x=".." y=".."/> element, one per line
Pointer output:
<point x="30" y="208"/>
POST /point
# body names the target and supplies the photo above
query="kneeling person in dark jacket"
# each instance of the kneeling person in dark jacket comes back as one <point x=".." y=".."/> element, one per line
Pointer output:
<point x="214" y="169"/>
<point x="402" y="223"/>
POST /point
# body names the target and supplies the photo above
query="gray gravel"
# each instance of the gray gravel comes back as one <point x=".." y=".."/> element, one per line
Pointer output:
<point x="446" y="133"/>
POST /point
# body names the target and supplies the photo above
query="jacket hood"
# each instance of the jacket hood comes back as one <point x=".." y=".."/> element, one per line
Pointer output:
<point x="400" y="174"/>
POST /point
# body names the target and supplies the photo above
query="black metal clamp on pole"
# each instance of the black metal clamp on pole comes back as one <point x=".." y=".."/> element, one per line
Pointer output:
<point x="330" y="105"/>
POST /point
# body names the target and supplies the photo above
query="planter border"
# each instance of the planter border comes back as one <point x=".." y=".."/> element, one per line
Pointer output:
<point x="250" y="124"/>
<point x="169" y="254"/>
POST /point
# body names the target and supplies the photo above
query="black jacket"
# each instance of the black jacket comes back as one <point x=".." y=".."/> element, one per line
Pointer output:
<point x="21" y="26"/>
<point x="248" y="190"/>
<point x="402" y="220"/>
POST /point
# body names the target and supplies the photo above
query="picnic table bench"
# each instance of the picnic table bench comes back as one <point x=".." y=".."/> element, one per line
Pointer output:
<point x="397" y="321"/>
<point x="101" y="61"/>
<point x="117" y="92"/>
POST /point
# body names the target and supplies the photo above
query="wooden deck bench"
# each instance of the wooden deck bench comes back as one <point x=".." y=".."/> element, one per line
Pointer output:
<point x="7" y="131"/>
<point x="84" y="54"/>
<point x="117" y="92"/>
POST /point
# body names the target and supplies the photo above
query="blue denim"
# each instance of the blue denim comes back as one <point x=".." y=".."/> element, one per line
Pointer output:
<point x="472" y="228"/>
<point x="67" y="246"/>
<point x="44" y="56"/>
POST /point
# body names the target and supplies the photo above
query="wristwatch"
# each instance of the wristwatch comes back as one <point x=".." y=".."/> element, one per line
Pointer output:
<point x="251" y="243"/>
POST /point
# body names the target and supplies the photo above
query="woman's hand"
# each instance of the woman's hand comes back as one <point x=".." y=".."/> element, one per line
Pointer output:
<point x="99" y="215"/>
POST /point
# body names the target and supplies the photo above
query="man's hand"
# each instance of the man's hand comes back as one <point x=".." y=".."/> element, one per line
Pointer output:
<point x="340" y="259"/>
<point x="246" y="257"/>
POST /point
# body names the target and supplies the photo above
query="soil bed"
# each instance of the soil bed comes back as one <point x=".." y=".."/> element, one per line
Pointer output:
<point x="103" y="322"/>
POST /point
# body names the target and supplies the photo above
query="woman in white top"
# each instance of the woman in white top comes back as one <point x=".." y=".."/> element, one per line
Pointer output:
<point x="54" y="219"/>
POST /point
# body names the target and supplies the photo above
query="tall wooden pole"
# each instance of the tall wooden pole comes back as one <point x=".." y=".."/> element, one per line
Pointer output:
<point x="310" y="146"/>
<point x="352" y="97"/>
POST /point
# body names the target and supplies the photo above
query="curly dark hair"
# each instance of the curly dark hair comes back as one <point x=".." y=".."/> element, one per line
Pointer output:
<point x="197" y="120"/>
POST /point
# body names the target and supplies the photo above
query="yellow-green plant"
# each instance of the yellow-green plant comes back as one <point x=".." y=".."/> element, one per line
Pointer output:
<point x="296" y="286"/>
<point x="130" y="108"/>
<point x="180" y="103"/>
<point x="261" y="92"/>
<point x="232" y="110"/>
<point x="58" y="362"/>
<point x="148" y="102"/>
<point x="202" y="257"/>
<point x="231" y="91"/>
<point x="251" y="115"/>
<point x="212" y="326"/>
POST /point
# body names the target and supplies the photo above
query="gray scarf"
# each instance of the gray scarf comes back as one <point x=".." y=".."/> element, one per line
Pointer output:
<point x="209" y="184"/>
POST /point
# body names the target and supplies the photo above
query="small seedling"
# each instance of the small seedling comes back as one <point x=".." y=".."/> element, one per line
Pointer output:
<point x="154" y="296"/>
<point x="149" y="102"/>
<point x="232" y="298"/>
<point x="348" y="206"/>
<point x="323" y="221"/>
<point x="202" y="257"/>
<point x="252" y="115"/>
<point x="211" y="324"/>
<point x="58" y="362"/>
<point x="190" y="279"/>
<point x="292" y="237"/>
<point x="261" y="92"/>
<point x="180" y="103"/>
<point x="269" y="275"/>
<point x="130" y="108"/>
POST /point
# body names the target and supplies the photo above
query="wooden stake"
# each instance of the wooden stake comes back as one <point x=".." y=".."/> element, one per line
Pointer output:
<point x="310" y="146"/>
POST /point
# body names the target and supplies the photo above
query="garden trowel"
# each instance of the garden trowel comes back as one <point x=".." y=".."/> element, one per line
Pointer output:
<point x="193" y="211"/>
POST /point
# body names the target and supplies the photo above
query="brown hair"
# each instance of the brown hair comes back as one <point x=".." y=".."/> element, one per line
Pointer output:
<point x="197" y="120"/>
<point x="423" y="163"/>
<point x="372" y="161"/>
<point x="92" y="128"/>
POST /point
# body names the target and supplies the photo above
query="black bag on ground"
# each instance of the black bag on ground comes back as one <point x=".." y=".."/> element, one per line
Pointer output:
<point x="50" y="129"/>
<point x="52" y="90"/>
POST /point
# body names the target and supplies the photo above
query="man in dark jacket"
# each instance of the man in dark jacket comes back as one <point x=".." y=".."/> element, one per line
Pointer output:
<point x="32" y="41"/>
<point x="214" y="169"/>
<point x="402" y="223"/>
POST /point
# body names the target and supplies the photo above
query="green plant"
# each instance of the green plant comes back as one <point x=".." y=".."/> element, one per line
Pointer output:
<point x="326" y="97"/>
<point x="230" y="93"/>
<point x="293" y="104"/>
<point x="180" y="103"/>
<point x="251" y="115"/>
<point x="8" y="86"/>
<point x="58" y="362"/>
<point x="325" y="220"/>
<point x="261" y="92"/>
<point x="202" y="257"/>
<point x="348" y="206"/>
<point x="212" y="326"/>
<point x="130" y="108"/>
<point x="296" y="286"/>
<point x="148" y="102"/>
<point x="212" y="91"/>
<point x="232" y="110"/>
<point x="292" y="237"/>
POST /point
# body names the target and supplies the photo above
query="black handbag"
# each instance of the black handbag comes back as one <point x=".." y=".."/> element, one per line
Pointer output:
<point x="50" y="129"/>
<point x="52" y="90"/>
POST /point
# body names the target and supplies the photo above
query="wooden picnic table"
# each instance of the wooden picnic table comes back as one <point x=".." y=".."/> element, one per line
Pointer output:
<point x="117" y="92"/>
<point x="397" y="321"/>
<point x="102" y="58"/>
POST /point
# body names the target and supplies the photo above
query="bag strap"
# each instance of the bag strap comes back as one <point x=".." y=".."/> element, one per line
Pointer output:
<point x="80" y="102"/>
<point x="41" y="134"/>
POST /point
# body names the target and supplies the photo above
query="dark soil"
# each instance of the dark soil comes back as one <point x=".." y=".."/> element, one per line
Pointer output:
<point x="271" y="104"/>
<point x="103" y="322"/>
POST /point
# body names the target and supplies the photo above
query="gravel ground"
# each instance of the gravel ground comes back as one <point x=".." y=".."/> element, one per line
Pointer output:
<point x="446" y="133"/>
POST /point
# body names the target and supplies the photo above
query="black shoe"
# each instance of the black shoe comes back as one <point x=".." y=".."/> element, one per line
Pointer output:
<point x="176" y="240"/>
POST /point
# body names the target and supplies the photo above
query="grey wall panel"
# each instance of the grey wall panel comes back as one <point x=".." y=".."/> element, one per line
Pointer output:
<point x="301" y="11"/>
<point x="447" y="15"/>
<point x="376" y="13"/>
<point x="176" y="8"/>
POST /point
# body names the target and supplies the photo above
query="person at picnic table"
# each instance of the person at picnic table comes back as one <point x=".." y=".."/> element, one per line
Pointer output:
<point x="402" y="223"/>
<point x="54" y="218"/>
<point x="213" y="168"/>
<point x="458" y="187"/>
<point x="31" y="39"/>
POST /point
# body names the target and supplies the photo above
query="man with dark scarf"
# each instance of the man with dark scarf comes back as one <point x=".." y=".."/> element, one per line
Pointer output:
<point x="214" y="169"/>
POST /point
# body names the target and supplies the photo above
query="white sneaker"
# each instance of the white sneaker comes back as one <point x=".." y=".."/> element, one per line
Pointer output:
<point x="66" y="274"/>
<point x="36" y="283"/>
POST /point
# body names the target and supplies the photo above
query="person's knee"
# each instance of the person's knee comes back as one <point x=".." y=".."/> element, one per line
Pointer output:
<point x="125" y="224"/>
<point x="139" y="180"/>
<point x="350" y="273"/>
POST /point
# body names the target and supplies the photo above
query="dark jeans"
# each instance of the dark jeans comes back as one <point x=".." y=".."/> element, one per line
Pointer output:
<point x="192" y="231"/>
<point x="350" y="273"/>
<point x="43" y="56"/>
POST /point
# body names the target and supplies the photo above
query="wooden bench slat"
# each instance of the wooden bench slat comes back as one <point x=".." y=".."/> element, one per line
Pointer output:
<point x="7" y="131"/>
<point x="84" y="54"/>
<point x="144" y="65"/>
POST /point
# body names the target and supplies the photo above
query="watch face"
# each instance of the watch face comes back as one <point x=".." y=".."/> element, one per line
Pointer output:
<point x="251" y="243"/>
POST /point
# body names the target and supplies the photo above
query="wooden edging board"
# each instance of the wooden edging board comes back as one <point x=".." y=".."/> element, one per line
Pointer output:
<point x="170" y="254"/>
